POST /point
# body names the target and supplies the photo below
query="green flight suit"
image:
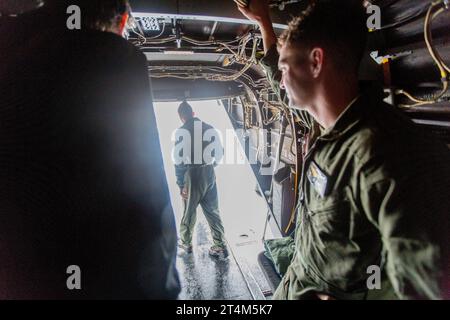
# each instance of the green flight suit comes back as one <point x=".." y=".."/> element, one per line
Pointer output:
<point x="200" y="183"/>
<point x="375" y="191"/>
<point x="199" y="180"/>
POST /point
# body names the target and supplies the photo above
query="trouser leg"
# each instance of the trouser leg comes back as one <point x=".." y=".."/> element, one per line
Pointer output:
<point x="210" y="206"/>
<point x="190" y="211"/>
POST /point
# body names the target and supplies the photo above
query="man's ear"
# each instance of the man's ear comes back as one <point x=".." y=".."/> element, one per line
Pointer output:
<point x="123" y="23"/>
<point x="317" y="61"/>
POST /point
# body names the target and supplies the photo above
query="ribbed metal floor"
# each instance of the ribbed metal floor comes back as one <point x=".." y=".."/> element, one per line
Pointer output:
<point x="205" y="278"/>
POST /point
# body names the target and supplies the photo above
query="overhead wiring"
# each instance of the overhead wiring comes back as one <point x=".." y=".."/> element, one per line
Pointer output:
<point x="438" y="56"/>
<point x="237" y="52"/>
<point x="211" y="73"/>
<point x="163" y="29"/>
<point x="443" y="68"/>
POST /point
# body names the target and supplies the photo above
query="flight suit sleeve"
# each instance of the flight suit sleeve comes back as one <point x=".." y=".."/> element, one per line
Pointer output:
<point x="218" y="156"/>
<point x="270" y="64"/>
<point x="396" y="203"/>
<point x="180" y="169"/>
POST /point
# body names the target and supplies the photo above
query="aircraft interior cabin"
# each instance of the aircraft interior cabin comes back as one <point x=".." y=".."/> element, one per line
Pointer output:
<point x="238" y="226"/>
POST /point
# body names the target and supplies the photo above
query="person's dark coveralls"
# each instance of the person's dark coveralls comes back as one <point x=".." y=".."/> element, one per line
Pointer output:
<point x="199" y="181"/>
<point x="81" y="178"/>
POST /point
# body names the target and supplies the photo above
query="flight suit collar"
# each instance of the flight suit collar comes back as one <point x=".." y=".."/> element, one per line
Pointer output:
<point x="350" y="117"/>
<point x="188" y="122"/>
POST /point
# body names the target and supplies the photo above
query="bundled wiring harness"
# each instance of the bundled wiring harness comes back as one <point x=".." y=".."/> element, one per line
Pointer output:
<point x="432" y="14"/>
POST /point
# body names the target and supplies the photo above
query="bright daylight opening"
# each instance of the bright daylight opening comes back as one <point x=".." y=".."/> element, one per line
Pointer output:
<point x="243" y="213"/>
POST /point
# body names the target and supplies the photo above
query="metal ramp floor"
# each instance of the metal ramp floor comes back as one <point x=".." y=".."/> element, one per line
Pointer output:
<point x="238" y="277"/>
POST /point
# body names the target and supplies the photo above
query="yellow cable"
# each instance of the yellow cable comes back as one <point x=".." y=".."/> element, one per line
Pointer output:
<point x="447" y="68"/>
<point x="429" y="39"/>
<point x="442" y="67"/>
<point x="418" y="102"/>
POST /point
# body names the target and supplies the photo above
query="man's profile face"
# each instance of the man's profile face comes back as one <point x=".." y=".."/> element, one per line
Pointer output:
<point x="297" y="79"/>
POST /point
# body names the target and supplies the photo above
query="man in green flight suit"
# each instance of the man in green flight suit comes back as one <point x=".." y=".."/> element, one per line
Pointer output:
<point x="198" y="149"/>
<point x="374" y="193"/>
